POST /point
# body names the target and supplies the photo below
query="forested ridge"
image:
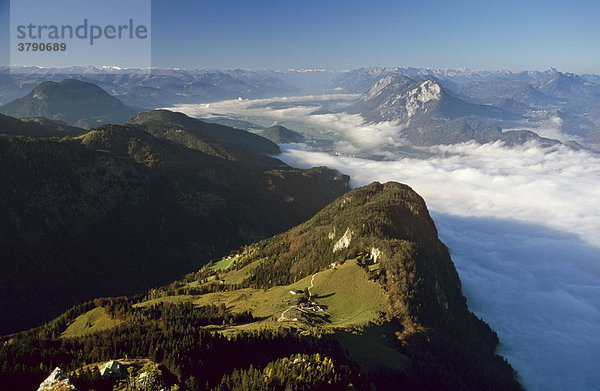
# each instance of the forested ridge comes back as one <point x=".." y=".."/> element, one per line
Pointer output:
<point x="385" y="229"/>
<point x="117" y="210"/>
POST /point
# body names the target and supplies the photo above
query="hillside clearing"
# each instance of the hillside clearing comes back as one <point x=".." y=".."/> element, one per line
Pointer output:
<point x="92" y="321"/>
<point x="345" y="295"/>
<point x="224" y="263"/>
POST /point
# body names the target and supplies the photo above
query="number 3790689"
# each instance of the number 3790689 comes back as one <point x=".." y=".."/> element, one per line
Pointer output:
<point x="41" y="47"/>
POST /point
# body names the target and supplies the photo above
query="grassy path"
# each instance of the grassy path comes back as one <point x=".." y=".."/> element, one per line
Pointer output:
<point x="282" y="317"/>
<point x="312" y="280"/>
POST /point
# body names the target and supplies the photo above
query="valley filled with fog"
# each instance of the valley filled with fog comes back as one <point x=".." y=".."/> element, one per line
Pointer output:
<point x="522" y="222"/>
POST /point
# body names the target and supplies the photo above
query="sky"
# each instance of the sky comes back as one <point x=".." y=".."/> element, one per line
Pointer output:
<point x="337" y="35"/>
<point x="98" y="33"/>
<point x="4" y="32"/>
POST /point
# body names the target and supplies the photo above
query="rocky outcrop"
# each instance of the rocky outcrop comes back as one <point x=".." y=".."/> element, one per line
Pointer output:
<point x="57" y="381"/>
<point x="399" y="98"/>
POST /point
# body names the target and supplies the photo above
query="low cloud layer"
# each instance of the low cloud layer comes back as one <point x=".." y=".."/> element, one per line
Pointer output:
<point x="523" y="227"/>
<point x="326" y="113"/>
<point x="552" y="128"/>
<point x="558" y="188"/>
<point x="531" y="285"/>
<point x="358" y="137"/>
<point x="299" y="107"/>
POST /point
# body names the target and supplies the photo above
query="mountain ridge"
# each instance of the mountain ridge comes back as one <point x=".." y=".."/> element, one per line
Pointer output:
<point x="282" y="135"/>
<point x="164" y="123"/>
<point x="120" y="193"/>
<point x="72" y="101"/>
<point x="377" y="235"/>
<point x="36" y="127"/>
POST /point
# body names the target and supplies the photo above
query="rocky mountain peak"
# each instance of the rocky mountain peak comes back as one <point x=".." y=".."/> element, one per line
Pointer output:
<point x="387" y="83"/>
<point x="399" y="98"/>
<point x="427" y="91"/>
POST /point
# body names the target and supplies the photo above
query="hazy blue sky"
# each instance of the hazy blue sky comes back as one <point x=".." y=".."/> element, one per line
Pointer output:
<point x="281" y="34"/>
<point x="4" y="32"/>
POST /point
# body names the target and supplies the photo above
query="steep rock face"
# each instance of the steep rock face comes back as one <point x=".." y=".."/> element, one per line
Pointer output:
<point x="116" y="211"/>
<point x="399" y="98"/>
<point x="72" y="101"/>
<point x="418" y="97"/>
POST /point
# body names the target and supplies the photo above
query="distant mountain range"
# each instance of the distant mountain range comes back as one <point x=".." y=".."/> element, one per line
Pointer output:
<point x="534" y="96"/>
<point x="432" y="115"/>
<point x="565" y="90"/>
<point x="155" y="88"/>
<point x="125" y="207"/>
<point x="360" y="80"/>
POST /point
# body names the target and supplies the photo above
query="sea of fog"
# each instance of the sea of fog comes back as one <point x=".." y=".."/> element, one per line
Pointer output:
<point x="522" y="225"/>
<point x="523" y="229"/>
